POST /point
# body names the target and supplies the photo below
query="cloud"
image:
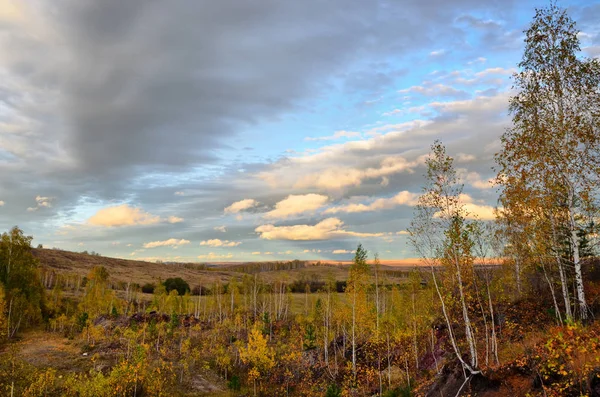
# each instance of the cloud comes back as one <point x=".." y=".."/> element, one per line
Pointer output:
<point x="211" y="256"/>
<point x="222" y="229"/>
<point x="174" y="219"/>
<point x="480" y="211"/>
<point x="240" y="206"/>
<point x="122" y="215"/>
<point x="476" y="209"/>
<point x="296" y="205"/>
<point x="477" y="60"/>
<point x="81" y="123"/>
<point x="337" y="135"/>
<point x="340" y="252"/>
<point x="1" y="203"/>
<point x="402" y="198"/>
<point x="339" y="167"/>
<point x="465" y="158"/>
<point x="436" y="90"/>
<point x="496" y="72"/>
<point x="220" y="243"/>
<point x="179" y="193"/>
<point x="172" y="242"/>
<point x="475" y="179"/>
<point x="41" y="202"/>
<point x="329" y="228"/>
<point x="340" y="177"/>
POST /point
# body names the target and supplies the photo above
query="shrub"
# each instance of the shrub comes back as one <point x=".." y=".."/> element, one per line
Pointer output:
<point x="178" y="284"/>
<point x="148" y="288"/>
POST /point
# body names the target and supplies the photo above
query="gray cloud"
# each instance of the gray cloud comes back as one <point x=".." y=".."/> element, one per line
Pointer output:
<point x="107" y="100"/>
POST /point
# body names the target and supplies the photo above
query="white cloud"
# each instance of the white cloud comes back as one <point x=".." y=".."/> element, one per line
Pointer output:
<point x="222" y="229"/>
<point x="329" y="228"/>
<point x="340" y="252"/>
<point x="410" y="110"/>
<point x="478" y="60"/>
<point x="335" y="136"/>
<point x="495" y="77"/>
<point x="256" y="253"/>
<point x="481" y="107"/>
<point x="436" y="90"/>
<point x="437" y="53"/>
<point x="296" y="205"/>
<point x="122" y="215"/>
<point x="240" y="206"/>
<point x="179" y="193"/>
<point x="172" y="242"/>
<point x="174" y="219"/>
<point x="220" y="243"/>
<point x="1" y="203"/>
<point x="394" y="112"/>
<point x="402" y="198"/>
<point x="495" y="72"/>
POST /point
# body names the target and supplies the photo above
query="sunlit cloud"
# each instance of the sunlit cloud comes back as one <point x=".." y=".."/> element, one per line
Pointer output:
<point x="296" y="205"/>
<point x="329" y="228"/>
<point x="123" y="215"/>
<point x="402" y="198"/>
<point x="240" y="206"/>
<point x="172" y="242"/>
<point x="220" y="243"/>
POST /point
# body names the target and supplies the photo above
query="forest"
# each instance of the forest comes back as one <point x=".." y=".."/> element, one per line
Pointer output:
<point x="504" y="307"/>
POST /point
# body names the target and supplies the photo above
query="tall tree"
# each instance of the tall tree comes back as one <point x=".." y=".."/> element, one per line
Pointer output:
<point x="19" y="274"/>
<point x="550" y="157"/>
<point x="442" y="235"/>
<point x="358" y="279"/>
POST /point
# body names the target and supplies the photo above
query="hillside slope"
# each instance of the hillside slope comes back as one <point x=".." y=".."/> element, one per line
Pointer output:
<point x="124" y="270"/>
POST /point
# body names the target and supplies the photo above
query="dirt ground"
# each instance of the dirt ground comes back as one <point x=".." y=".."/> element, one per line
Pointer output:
<point x="45" y="349"/>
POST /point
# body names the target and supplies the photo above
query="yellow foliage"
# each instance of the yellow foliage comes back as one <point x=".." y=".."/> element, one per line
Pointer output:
<point x="257" y="353"/>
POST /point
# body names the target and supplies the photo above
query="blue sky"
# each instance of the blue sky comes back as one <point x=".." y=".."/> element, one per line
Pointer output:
<point x="262" y="130"/>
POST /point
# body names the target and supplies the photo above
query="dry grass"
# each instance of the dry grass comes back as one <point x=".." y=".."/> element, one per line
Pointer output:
<point x="124" y="270"/>
<point x="127" y="270"/>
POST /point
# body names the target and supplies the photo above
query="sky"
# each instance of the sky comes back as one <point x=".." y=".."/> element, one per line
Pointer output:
<point x="210" y="131"/>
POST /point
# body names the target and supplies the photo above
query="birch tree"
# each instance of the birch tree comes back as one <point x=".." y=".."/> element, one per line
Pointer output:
<point x="551" y="152"/>
<point x="441" y="234"/>
<point x="357" y="292"/>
